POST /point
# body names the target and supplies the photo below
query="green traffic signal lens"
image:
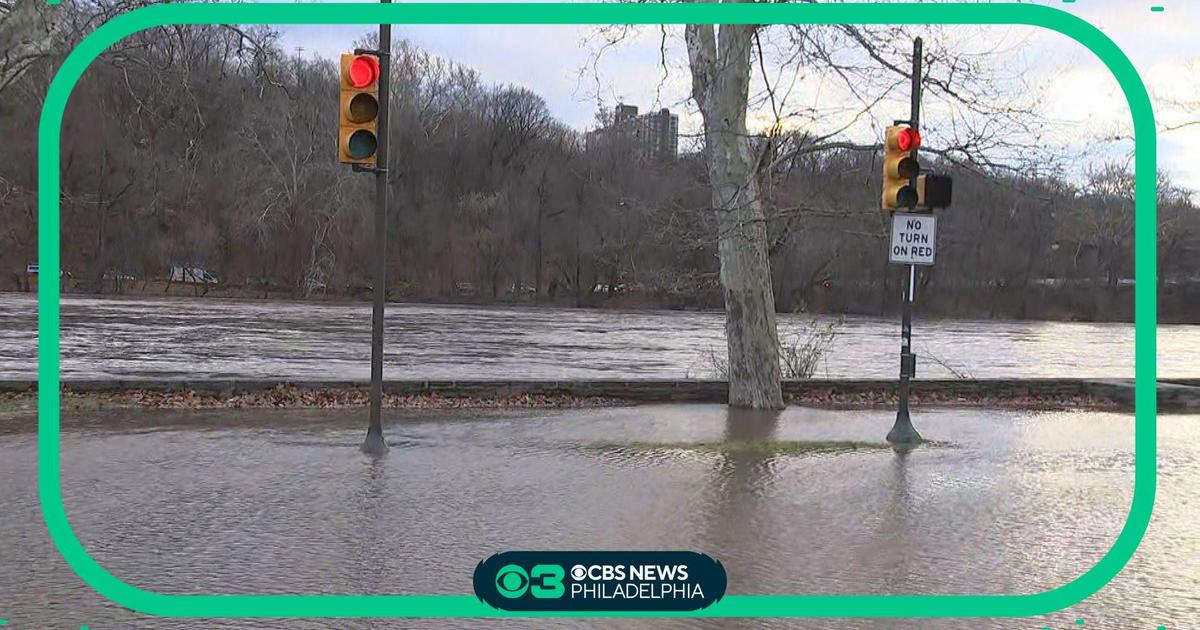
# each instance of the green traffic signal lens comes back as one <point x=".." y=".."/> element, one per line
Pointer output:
<point x="361" y="145"/>
<point x="362" y="108"/>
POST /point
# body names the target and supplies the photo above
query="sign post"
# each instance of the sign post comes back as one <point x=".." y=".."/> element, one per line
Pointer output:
<point x="374" y="444"/>
<point x="913" y="244"/>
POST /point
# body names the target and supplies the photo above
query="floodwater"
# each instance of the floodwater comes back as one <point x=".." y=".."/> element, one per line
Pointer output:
<point x="281" y="501"/>
<point x="198" y="338"/>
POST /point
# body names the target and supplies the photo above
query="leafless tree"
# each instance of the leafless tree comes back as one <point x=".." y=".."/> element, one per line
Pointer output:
<point x="737" y="67"/>
<point x="213" y="146"/>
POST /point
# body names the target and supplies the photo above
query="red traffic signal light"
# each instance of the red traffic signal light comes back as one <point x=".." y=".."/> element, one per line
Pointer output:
<point x="908" y="139"/>
<point x="363" y="71"/>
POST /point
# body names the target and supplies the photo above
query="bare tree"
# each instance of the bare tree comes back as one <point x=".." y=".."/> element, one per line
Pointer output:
<point x="27" y="36"/>
<point x="738" y="67"/>
<point x="212" y="145"/>
<point x="720" y="65"/>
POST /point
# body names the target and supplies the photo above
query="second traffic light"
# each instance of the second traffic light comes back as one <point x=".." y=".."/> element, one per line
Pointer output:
<point x="900" y="167"/>
<point x="933" y="191"/>
<point x="358" y="109"/>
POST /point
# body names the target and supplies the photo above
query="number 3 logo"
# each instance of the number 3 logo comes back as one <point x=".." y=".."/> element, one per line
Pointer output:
<point x="550" y="577"/>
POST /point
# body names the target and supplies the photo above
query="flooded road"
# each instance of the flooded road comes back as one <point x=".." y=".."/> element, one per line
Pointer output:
<point x="196" y="338"/>
<point x="281" y="501"/>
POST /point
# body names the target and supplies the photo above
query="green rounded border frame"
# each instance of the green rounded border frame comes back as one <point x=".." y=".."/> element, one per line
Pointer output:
<point x="282" y="606"/>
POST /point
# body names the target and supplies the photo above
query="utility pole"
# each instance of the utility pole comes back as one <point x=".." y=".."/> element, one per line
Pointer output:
<point x="374" y="443"/>
<point x="903" y="431"/>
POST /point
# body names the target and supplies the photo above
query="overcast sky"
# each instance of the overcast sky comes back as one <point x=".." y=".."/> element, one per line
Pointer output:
<point x="1080" y="95"/>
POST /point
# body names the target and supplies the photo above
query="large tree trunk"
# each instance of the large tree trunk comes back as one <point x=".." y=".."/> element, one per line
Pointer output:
<point x="720" y="84"/>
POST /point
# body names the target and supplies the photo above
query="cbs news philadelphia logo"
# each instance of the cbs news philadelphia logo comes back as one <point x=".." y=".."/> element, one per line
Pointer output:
<point x="600" y="580"/>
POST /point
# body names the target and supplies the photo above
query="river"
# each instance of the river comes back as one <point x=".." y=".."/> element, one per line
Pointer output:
<point x="197" y="338"/>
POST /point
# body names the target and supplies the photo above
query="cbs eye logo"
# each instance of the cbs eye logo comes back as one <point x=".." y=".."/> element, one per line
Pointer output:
<point x="543" y="581"/>
<point x="512" y="581"/>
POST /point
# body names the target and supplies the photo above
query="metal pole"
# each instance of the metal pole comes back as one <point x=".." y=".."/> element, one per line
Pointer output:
<point x="375" y="444"/>
<point x="903" y="431"/>
<point x="915" y="119"/>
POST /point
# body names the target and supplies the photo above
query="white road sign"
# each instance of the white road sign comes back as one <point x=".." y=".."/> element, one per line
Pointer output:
<point x="914" y="239"/>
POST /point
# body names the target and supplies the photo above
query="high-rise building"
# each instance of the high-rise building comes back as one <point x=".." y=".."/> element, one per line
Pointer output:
<point x="624" y="113"/>
<point x="655" y="136"/>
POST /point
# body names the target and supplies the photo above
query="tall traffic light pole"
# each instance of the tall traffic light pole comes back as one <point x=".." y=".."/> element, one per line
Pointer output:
<point x="903" y="431"/>
<point x="374" y="443"/>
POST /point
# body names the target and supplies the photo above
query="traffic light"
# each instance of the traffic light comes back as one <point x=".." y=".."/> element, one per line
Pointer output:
<point x="899" y="167"/>
<point x="358" y="111"/>
<point x="933" y="191"/>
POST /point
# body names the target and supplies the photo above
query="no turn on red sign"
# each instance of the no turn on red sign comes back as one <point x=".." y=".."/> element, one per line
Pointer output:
<point x="914" y="239"/>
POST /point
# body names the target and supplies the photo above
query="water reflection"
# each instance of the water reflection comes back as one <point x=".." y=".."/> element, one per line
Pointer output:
<point x="367" y="524"/>
<point x="744" y="471"/>
<point x="896" y="527"/>
<point x="751" y="425"/>
<point x="733" y="510"/>
<point x="747" y="471"/>
<point x="285" y="503"/>
<point x="738" y="504"/>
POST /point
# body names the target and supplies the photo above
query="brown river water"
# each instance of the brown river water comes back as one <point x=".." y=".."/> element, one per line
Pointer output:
<point x="197" y="338"/>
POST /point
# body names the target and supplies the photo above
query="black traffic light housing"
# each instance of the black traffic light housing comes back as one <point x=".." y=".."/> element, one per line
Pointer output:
<point x="934" y="191"/>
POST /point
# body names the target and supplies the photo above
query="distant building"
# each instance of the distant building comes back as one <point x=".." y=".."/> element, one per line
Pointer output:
<point x="655" y="136"/>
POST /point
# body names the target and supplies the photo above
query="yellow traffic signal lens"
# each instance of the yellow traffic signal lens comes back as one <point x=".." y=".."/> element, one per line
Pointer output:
<point x="361" y="145"/>
<point x="363" y="108"/>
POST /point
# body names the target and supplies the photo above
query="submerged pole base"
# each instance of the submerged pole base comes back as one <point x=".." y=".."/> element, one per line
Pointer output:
<point x="375" y="444"/>
<point x="903" y="431"/>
